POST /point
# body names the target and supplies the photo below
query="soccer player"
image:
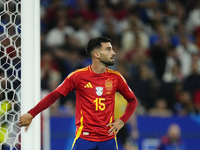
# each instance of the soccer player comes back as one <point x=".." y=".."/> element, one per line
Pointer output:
<point x="95" y="88"/>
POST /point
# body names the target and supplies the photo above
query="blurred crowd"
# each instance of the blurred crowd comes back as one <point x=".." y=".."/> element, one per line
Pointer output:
<point x="157" y="44"/>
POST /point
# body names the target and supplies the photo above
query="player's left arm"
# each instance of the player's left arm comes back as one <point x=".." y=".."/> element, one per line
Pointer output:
<point x="130" y="108"/>
<point x="115" y="126"/>
<point x="127" y="93"/>
<point x="119" y="123"/>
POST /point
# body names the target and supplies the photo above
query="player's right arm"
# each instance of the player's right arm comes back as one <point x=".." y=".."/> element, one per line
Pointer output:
<point x="26" y="119"/>
<point x="62" y="90"/>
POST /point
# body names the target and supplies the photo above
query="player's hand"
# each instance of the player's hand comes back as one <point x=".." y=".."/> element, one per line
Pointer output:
<point x="115" y="126"/>
<point x="25" y="120"/>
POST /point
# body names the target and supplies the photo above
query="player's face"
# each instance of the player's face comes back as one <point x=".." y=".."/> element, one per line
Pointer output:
<point x="107" y="55"/>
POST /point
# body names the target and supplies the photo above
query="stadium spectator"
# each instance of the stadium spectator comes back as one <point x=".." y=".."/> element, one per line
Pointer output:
<point x="184" y="52"/>
<point x="193" y="19"/>
<point x="60" y="31"/>
<point x="107" y="20"/>
<point x="160" y="109"/>
<point x="50" y="74"/>
<point x="159" y="54"/>
<point x="86" y="32"/>
<point x="175" y="16"/>
<point x="82" y="8"/>
<point x="121" y="9"/>
<point x="145" y="81"/>
<point x="173" y="139"/>
<point x="185" y="104"/>
<point x="191" y="82"/>
<point x="134" y="34"/>
<point x="137" y="56"/>
<point x="196" y="99"/>
<point x="50" y="18"/>
<point x="172" y="71"/>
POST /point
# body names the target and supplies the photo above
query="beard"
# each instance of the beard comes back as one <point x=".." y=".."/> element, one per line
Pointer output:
<point x="107" y="62"/>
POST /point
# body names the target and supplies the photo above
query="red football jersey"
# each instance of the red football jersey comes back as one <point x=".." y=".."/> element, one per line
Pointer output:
<point x="95" y="100"/>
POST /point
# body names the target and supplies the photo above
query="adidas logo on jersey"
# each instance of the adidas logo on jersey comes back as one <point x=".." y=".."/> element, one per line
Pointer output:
<point x="89" y="85"/>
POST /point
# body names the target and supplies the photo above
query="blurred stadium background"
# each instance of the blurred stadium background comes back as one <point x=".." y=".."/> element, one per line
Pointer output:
<point x="158" y="52"/>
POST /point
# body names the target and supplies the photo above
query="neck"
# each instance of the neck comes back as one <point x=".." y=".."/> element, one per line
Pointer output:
<point x="98" y="68"/>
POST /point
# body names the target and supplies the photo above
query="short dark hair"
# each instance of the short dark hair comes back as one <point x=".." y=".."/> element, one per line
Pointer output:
<point x="95" y="43"/>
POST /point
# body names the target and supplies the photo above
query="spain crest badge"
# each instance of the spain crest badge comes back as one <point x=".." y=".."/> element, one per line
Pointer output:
<point x="108" y="84"/>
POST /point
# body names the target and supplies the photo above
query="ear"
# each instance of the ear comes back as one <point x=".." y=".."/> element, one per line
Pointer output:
<point x="97" y="54"/>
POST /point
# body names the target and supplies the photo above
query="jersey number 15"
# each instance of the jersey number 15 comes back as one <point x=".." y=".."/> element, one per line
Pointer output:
<point x="99" y="104"/>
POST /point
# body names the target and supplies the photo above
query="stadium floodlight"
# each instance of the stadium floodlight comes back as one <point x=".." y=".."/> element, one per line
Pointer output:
<point x="19" y="72"/>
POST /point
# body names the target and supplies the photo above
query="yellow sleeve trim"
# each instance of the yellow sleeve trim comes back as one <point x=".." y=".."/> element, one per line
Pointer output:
<point x="79" y="70"/>
<point x="116" y="72"/>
